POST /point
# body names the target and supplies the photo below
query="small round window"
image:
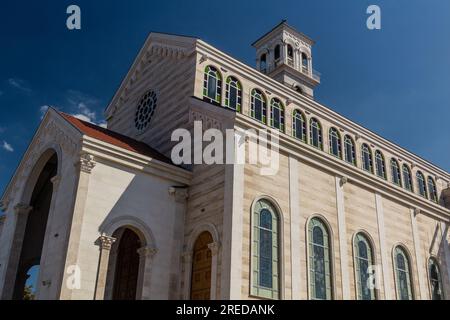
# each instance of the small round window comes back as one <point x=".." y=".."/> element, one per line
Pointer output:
<point x="145" y="110"/>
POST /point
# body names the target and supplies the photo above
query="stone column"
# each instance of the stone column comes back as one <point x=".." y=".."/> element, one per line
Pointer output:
<point x="343" y="248"/>
<point x="21" y="212"/>
<point x="421" y="272"/>
<point x="187" y="262"/>
<point x="180" y="196"/>
<point x="214" y="247"/>
<point x="146" y="255"/>
<point x="105" y="244"/>
<point x="383" y="248"/>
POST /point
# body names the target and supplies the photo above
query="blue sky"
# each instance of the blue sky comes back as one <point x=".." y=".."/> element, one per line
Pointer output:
<point x="394" y="81"/>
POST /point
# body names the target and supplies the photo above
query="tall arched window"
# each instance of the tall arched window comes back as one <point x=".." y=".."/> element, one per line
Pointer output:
<point x="407" y="178"/>
<point x="212" y="85"/>
<point x="432" y="189"/>
<point x="290" y="55"/>
<point x="277" y="52"/>
<point x="350" y="152"/>
<point x="379" y="164"/>
<point x="299" y="125"/>
<point x="421" y="185"/>
<point x="315" y="132"/>
<point x="265" y="248"/>
<point x="277" y="114"/>
<point x="304" y="61"/>
<point x="366" y="158"/>
<point x="395" y="172"/>
<point x="233" y="94"/>
<point x="402" y="274"/>
<point x="319" y="260"/>
<point x="335" y="143"/>
<point x="434" y="275"/>
<point x="263" y="63"/>
<point x="363" y="254"/>
<point x="258" y="106"/>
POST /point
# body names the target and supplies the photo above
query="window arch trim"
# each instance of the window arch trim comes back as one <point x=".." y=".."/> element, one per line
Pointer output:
<point x="320" y="133"/>
<point x="435" y="261"/>
<point x="304" y="129"/>
<point x="238" y="87"/>
<point x="407" y="254"/>
<point x="333" y="132"/>
<point x="281" y="116"/>
<point x="364" y="147"/>
<point x="397" y="172"/>
<point x="217" y="99"/>
<point x="263" y="98"/>
<point x="373" y="257"/>
<point x="353" y="161"/>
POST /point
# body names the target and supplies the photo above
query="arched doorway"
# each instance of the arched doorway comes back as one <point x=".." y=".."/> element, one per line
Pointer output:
<point x="127" y="266"/>
<point x="36" y="225"/>
<point x="201" y="268"/>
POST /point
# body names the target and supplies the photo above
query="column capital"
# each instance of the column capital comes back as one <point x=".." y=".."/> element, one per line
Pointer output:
<point x="55" y="181"/>
<point x="106" y="242"/>
<point x="22" y="208"/>
<point x="145" y="252"/>
<point x="214" y="247"/>
<point x="179" y="193"/>
<point x="86" y="163"/>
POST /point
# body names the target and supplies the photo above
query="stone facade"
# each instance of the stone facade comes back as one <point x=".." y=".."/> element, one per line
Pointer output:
<point x="101" y="188"/>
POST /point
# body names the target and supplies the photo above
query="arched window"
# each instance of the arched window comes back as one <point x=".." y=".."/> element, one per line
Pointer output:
<point x="258" y="106"/>
<point x="299" y="125"/>
<point x="201" y="267"/>
<point x="350" y="152"/>
<point x="407" y="179"/>
<point x="290" y="51"/>
<point x="319" y="260"/>
<point x="263" y="63"/>
<point x="363" y="253"/>
<point x="276" y="53"/>
<point x="315" y="132"/>
<point x="212" y="85"/>
<point x="233" y="94"/>
<point x="277" y="114"/>
<point x="434" y="275"/>
<point x="265" y="262"/>
<point x="432" y="189"/>
<point x="335" y="143"/>
<point x="379" y="164"/>
<point x="421" y="184"/>
<point x="402" y="274"/>
<point x="304" y="61"/>
<point x="395" y="172"/>
<point x="366" y="157"/>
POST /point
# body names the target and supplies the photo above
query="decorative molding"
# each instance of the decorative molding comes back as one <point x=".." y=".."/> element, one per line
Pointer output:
<point x="68" y="145"/>
<point x="22" y="208"/>
<point x="416" y="212"/>
<point x="214" y="247"/>
<point x="86" y="163"/>
<point x="179" y="193"/>
<point x="207" y="121"/>
<point x="147" y="252"/>
<point x="343" y="181"/>
<point x="106" y="242"/>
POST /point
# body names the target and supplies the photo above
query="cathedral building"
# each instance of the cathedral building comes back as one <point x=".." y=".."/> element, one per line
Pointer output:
<point x="107" y="214"/>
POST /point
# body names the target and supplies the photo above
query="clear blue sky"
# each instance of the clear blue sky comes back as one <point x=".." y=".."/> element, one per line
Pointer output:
<point x="395" y="81"/>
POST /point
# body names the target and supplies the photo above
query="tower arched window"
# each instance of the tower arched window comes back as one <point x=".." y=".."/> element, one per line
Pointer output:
<point x="277" y="114"/>
<point x="266" y="255"/>
<point x="350" y="152"/>
<point x="407" y="178"/>
<point x="335" y="143"/>
<point x="366" y="158"/>
<point x="263" y="63"/>
<point x="315" y="132"/>
<point x="258" y="106"/>
<point x="402" y="274"/>
<point x="432" y="189"/>
<point x="434" y="274"/>
<point x="299" y="125"/>
<point x="290" y="51"/>
<point x="233" y="94"/>
<point x="212" y="85"/>
<point x="319" y="257"/>
<point x="421" y="185"/>
<point x="380" y="165"/>
<point x="363" y="254"/>
<point x="304" y="61"/>
<point x="395" y="172"/>
<point x="277" y="52"/>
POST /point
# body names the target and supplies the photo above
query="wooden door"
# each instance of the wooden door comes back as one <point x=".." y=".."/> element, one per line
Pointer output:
<point x="201" y="268"/>
<point x="127" y="267"/>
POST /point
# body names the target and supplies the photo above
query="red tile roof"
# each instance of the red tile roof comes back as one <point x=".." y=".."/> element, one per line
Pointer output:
<point x="115" y="138"/>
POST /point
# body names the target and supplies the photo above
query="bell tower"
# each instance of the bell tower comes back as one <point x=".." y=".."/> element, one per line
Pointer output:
<point x="285" y="55"/>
